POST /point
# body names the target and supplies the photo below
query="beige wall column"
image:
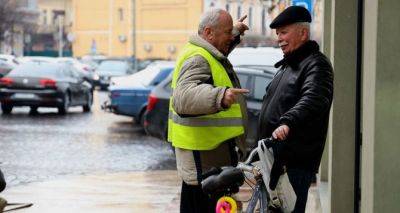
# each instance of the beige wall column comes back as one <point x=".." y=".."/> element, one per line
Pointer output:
<point x="380" y="185"/>
<point x="326" y="48"/>
<point x="343" y="35"/>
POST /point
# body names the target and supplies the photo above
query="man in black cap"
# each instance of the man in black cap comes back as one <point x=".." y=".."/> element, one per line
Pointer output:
<point x="296" y="104"/>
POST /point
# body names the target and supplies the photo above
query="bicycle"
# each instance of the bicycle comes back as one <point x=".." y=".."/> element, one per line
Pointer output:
<point x="225" y="181"/>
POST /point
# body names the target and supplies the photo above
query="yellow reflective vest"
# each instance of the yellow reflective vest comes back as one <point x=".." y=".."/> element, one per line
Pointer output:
<point x="204" y="132"/>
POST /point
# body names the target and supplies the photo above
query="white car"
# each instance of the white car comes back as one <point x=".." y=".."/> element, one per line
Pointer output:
<point x="36" y="59"/>
<point x="260" y="56"/>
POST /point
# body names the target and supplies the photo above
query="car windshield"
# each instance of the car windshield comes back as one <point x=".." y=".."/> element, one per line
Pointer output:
<point x="112" y="67"/>
<point x="36" y="70"/>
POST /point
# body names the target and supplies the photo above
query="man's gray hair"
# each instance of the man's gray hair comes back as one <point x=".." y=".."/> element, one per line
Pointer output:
<point x="304" y="24"/>
<point x="209" y="19"/>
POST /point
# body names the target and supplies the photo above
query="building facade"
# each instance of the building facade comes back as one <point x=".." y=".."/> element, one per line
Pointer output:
<point x="25" y="15"/>
<point x="163" y="27"/>
<point x="104" y="27"/>
<point x="160" y="28"/>
<point x="54" y="25"/>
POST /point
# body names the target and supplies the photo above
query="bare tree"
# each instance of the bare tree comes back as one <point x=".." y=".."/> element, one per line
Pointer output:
<point x="8" y="17"/>
<point x="12" y="15"/>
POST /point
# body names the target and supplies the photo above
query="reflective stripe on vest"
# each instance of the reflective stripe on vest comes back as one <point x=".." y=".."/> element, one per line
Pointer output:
<point x="204" y="132"/>
<point x="197" y="122"/>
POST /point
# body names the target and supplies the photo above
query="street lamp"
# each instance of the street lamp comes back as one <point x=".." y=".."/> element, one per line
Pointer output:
<point x="60" y="36"/>
<point x="60" y="15"/>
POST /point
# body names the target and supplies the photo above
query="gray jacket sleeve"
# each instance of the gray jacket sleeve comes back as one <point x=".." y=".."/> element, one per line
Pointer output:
<point x="194" y="94"/>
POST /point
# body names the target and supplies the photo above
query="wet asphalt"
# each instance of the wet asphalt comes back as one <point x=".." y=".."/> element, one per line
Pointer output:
<point x="44" y="146"/>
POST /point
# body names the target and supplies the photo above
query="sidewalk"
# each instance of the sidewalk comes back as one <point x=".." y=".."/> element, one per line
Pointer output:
<point x="150" y="191"/>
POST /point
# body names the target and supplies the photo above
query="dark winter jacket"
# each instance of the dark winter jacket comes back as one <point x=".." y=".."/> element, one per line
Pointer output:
<point x="300" y="96"/>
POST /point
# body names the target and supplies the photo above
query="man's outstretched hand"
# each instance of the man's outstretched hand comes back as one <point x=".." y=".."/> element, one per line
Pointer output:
<point x="231" y="95"/>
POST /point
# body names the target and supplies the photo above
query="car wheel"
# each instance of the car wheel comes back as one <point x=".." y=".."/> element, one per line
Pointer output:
<point x="87" y="107"/>
<point x="6" y="108"/>
<point x="63" y="109"/>
<point x="141" y="119"/>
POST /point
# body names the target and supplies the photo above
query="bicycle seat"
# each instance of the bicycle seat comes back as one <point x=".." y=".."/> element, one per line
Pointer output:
<point x="227" y="181"/>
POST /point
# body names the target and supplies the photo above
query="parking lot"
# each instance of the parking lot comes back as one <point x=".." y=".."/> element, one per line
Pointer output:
<point x="46" y="146"/>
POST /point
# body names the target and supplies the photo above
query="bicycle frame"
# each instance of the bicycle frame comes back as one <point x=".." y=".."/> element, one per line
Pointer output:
<point x="259" y="194"/>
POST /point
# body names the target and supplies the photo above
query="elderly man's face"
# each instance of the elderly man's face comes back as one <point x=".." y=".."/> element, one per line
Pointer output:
<point x="221" y="36"/>
<point x="291" y="37"/>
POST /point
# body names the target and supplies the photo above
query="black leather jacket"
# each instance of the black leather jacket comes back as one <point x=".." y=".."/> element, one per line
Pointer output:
<point x="300" y="96"/>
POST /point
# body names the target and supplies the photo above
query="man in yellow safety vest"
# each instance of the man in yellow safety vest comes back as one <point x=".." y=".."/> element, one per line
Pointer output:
<point x="207" y="113"/>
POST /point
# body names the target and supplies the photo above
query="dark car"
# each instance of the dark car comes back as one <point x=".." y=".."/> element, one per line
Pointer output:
<point x="254" y="78"/>
<point x="7" y="63"/>
<point x="112" y="68"/>
<point x="129" y="94"/>
<point x="84" y="70"/>
<point x="44" y="85"/>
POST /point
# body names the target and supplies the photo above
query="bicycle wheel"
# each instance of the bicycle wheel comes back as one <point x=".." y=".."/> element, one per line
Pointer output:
<point x="226" y="205"/>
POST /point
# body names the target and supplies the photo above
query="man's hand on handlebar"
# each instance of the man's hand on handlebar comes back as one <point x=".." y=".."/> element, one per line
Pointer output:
<point x="281" y="133"/>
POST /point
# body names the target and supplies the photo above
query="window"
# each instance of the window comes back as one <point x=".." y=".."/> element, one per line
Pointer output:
<point x="243" y="80"/>
<point x="57" y="14"/>
<point x="239" y="12"/>
<point x="250" y="17"/>
<point x="44" y="17"/>
<point x="121" y="14"/>
<point x="67" y="72"/>
<point x="260" y="84"/>
<point x="32" y="4"/>
<point x="168" y="87"/>
<point x="53" y="20"/>
<point x="263" y="27"/>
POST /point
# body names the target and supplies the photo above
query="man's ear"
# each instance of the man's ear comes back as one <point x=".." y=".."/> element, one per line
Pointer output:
<point x="208" y="33"/>
<point x="304" y="34"/>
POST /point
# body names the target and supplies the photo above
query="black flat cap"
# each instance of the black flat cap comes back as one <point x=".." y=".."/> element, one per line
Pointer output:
<point x="291" y="15"/>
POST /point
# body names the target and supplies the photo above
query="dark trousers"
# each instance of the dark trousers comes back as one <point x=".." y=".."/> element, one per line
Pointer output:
<point x="193" y="200"/>
<point x="301" y="181"/>
<point x="2" y="182"/>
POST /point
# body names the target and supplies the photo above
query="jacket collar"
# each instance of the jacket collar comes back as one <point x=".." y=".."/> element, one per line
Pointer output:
<point x="199" y="41"/>
<point x="294" y="58"/>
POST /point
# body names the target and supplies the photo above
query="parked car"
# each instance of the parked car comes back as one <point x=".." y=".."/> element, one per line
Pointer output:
<point x="44" y="85"/>
<point x="11" y="59"/>
<point x="7" y="63"/>
<point x="256" y="80"/>
<point x="38" y="59"/>
<point x="264" y="56"/>
<point x="5" y="68"/>
<point x="92" y="60"/>
<point x="129" y="94"/>
<point x="111" y="68"/>
<point x="85" y="70"/>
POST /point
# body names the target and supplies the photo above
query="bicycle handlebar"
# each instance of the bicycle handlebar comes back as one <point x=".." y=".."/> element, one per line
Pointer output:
<point x="228" y="177"/>
<point x="268" y="143"/>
